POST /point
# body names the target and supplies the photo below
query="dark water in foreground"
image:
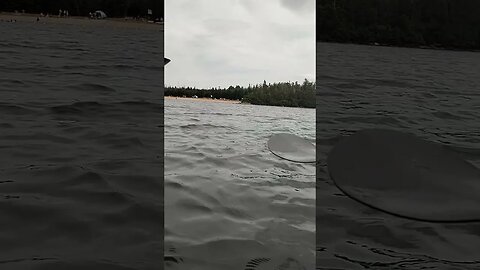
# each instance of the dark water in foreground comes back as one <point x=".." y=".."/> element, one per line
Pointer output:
<point x="80" y="145"/>
<point x="433" y="94"/>
<point x="229" y="202"/>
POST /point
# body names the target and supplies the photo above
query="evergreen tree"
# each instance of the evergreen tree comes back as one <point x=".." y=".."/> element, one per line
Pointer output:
<point x="453" y="24"/>
<point x="277" y="94"/>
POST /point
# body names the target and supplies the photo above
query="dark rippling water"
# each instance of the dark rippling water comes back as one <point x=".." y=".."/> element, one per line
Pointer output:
<point x="81" y="145"/>
<point x="433" y="94"/>
<point x="229" y="202"/>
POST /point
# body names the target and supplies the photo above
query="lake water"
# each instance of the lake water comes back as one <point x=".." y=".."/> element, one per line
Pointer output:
<point x="433" y="94"/>
<point x="81" y="145"/>
<point x="229" y="202"/>
<point x="81" y="150"/>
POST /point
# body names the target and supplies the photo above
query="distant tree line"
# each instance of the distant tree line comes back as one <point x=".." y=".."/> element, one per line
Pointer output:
<point x="113" y="8"/>
<point x="286" y="94"/>
<point x="453" y="24"/>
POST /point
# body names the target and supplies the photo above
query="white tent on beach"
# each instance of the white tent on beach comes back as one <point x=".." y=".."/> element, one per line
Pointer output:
<point x="99" y="14"/>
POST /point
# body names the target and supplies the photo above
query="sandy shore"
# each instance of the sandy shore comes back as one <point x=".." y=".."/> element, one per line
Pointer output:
<point x="206" y="100"/>
<point x="28" y="17"/>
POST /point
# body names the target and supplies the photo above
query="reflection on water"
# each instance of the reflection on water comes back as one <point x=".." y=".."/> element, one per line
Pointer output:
<point x="433" y="94"/>
<point x="229" y="202"/>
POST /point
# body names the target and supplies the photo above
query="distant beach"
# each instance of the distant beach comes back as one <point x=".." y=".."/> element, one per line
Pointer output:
<point x="54" y="18"/>
<point x="206" y="99"/>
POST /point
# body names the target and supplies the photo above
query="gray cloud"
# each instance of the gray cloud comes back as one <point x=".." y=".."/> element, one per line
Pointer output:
<point x="299" y="5"/>
<point x="228" y="42"/>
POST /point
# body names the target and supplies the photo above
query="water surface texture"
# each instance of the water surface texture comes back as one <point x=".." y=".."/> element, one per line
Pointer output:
<point x="229" y="202"/>
<point x="432" y="94"/>
<point x="81" y="116"/>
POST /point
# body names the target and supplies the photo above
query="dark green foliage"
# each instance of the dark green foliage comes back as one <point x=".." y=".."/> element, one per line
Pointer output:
<point x="278" y="94"/>
<point x="453" y="24"/>
<point x="113" y="8"/>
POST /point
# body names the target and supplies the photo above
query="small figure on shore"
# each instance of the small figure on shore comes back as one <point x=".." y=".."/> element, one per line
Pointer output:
<point x="60" y="13"/>
<point x="38" y="19"/>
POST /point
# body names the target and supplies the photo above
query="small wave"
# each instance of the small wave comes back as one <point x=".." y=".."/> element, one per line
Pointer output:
<point x="428" y="95"/>
<point x="39" y="136"/>
<point x="353" y="86"/>
<point x="446" y="115"/>
<point x="15" y="109"/>
<point x="12" y="81"/>
<point x="455" y="93"/>
<point x="69" y="48"/>
<point x="202" y="126"/>
<point x="326" y="93"/>
<point x="115" y="110"/>
<point x="80" y="107"/>
<point x="388" y="83"/>
<point x="387" y="120"/>
<point x="125" y="142"/>
<point x="209" y="113"/>
<point x="93" y="87"/>
<point x="142" y="105"/>
<point x="105" y="67"/>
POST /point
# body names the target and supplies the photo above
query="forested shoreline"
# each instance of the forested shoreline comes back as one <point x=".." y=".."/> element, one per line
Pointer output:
<point x="441" y="24"/>
<point x="286" y="94"/>
<point x="113" y="8"/>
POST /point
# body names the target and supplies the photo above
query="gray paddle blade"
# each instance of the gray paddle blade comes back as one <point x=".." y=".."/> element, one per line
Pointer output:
<point x="291" y="147"/>
<point x="407" y="176"/>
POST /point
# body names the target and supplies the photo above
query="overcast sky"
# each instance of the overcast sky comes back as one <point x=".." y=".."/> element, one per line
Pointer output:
<point x="216" y="43"/>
